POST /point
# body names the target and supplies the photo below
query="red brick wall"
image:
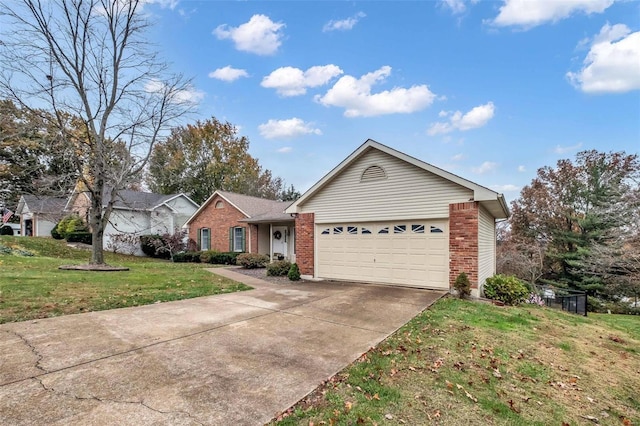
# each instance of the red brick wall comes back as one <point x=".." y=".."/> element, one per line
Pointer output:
<point x="219" y="221"/>
<point x="463" y="241"/>
<point x="305" y="228"/>
<point x="253" y="238"/>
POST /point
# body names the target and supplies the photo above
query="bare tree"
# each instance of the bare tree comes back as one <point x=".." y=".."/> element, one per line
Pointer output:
<point x="89" y="59"/>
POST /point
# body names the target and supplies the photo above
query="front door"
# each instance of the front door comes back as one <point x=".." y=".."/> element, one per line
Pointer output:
<point x="279" y="240"/>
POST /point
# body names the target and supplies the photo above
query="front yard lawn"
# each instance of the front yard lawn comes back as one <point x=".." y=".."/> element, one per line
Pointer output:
<point x="467" y="363"/>
<point x="33" y="287"/>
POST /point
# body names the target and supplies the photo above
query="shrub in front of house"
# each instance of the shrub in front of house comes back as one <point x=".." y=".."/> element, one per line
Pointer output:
<point x="70" y="224"/>
<point x="294" y="272"/>
<point x="79" y="237"/>
<point x="55" y="234"/>
<point x="149" y="245"/>
<point x="506" y="288"/>
<point x="279" y="268"/>
<point x="187" y="257"/>
<point x="252" y="260"/>
<point x="462" y="285"/>
<point x="6" y="230"/>
<point x="219" y="258"/>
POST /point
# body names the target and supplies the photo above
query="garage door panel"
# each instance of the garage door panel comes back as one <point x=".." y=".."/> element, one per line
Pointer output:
<point x="403" y="252"/>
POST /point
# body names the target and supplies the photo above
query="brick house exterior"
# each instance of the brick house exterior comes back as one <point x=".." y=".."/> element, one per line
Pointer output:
<point x="227" y="221"/>
<point x="382" y="216"/>
<point x="463" y="241"/>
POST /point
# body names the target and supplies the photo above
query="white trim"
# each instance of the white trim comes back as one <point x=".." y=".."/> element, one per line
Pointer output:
<point x="480" y="193"/>
<point x="173" y="198"/>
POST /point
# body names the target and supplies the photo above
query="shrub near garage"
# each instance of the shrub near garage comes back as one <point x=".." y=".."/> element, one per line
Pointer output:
<point x="279" y="268"/>
<point x="506" y="288"/>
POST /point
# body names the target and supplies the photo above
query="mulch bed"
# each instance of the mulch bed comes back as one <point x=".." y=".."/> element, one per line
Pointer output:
<point x="261" y="273"/>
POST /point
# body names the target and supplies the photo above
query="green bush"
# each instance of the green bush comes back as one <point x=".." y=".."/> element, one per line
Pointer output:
<point x="279" y="268"/>
<point x="506" y="288"/>
<point x="462" y="285"/>
<point x="294" y="272"/>
<point x="187" y="256"/>
<point x="70" y="224"/>
<point x="6" y="230"/>
<point x="55" y="234"/>
<point x="218" y="258"/>
<point x="252" y="260"/>
<point x="79" y="237"/>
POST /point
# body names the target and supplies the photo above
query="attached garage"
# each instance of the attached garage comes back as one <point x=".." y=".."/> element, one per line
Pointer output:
<point x="412" y="253"/>
<point x="382" y="216"/>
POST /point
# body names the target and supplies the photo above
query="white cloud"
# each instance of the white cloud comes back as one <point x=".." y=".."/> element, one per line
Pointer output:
<point x="285" y="129"/>
<point x="456" y="6"/>
<point x="485" y="167"/>
<point x="260" y="35"/>
<point x="188" y="94"/>
<point x="290" y="81"/>
<point x="476" y="117"/>
<point x="228" y="73"/>
<point x="531" y="13"/>
<point x="343" y="24"/>
<point x="458" y="157"/>
<point x="522" y="169"/>
<point x="612" y="64"/>
<point x="505" y="188"/>
<point x="564" y="149"/>
<point x="354" y="95"/>
<point x="285" y="149"/>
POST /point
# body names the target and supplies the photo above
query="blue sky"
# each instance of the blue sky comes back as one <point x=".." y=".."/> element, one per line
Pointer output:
<point x="488" y="90"/>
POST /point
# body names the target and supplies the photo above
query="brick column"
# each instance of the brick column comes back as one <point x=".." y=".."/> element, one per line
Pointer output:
<point x="305" y="229"/>
<point x="254" y="238"/>
<point x="463" y="241"/>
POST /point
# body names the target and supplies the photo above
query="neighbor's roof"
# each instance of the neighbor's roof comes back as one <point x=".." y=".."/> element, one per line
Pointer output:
<point x="255" y="209"/>
<point x="492" y="200"/>
<point x="126" y="199"/>
<point x="41" y="204"/>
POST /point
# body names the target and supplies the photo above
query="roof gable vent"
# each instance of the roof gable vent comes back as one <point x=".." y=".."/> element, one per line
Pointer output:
<point x="373" y="173"/>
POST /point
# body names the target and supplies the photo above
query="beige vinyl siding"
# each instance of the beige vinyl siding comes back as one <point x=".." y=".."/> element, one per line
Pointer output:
<point x="486" y="246"/>
<point x="406" y="192"/>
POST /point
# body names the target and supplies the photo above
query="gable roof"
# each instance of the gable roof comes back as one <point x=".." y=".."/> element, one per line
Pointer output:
<point x="126" y="199"/>
<point x="255" y="209"/>
<point x="491" y="200"/>
<point x="41" y="204"/>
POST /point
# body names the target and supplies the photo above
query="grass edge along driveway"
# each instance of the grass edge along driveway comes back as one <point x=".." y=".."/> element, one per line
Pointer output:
<point x="471" y="363"/>
<point x="32" y="287"/>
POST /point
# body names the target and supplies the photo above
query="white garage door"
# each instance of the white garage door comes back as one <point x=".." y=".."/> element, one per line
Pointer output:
<point x="414" y="253"/>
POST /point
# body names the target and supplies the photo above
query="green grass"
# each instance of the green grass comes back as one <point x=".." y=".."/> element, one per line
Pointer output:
<point x="34" y="287"/>
<point x="471" y="363"/>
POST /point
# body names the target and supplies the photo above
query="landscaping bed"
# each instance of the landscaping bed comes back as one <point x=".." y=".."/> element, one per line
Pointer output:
<point x="261" y="273"/>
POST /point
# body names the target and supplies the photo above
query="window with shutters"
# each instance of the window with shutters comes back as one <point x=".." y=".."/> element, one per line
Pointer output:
<point x="373" y="173"/>
<point x="238" y="239"/>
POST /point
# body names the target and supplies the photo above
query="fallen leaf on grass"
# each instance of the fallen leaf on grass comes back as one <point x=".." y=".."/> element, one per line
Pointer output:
<point x="512" y="406"/>
<point x="496" y="373"/>
<point x="449" y="384"/>
<point x="347" y="406"/>
<point x="471" y="397"/>
<point x="591" y="418"/>
<point x="616" y="339"/>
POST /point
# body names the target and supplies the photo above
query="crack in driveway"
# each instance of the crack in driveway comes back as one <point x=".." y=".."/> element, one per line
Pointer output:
<point x="33" y="349"/>
<point x="101" y="400"/>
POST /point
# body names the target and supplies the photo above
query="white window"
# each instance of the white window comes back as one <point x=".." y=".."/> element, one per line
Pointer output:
<point x="205" y="239"/>
<point x="238" y="239"/>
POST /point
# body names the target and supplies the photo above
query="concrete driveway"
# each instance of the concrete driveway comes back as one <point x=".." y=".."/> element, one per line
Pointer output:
<point x="229" y="359"/>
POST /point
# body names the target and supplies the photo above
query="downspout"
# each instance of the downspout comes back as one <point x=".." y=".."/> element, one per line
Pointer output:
<point x="270" y="242"/>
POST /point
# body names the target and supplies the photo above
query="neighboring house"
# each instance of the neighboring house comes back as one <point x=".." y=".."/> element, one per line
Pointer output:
<point x="137" y="213"/>
<point x="39" y="214"/>
<point x="382" y="216"/>
<point x="233" y="222"/>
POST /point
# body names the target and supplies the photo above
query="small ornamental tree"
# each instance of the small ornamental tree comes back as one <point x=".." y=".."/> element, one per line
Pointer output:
<point x="294" y="272"/>
<point x="462" y="285"/>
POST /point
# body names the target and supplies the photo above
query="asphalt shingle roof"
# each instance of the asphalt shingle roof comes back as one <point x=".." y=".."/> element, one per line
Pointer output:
<point x="45" y="204"/>
<point x="258" y="209"/>
<point x="136" y="200"/>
